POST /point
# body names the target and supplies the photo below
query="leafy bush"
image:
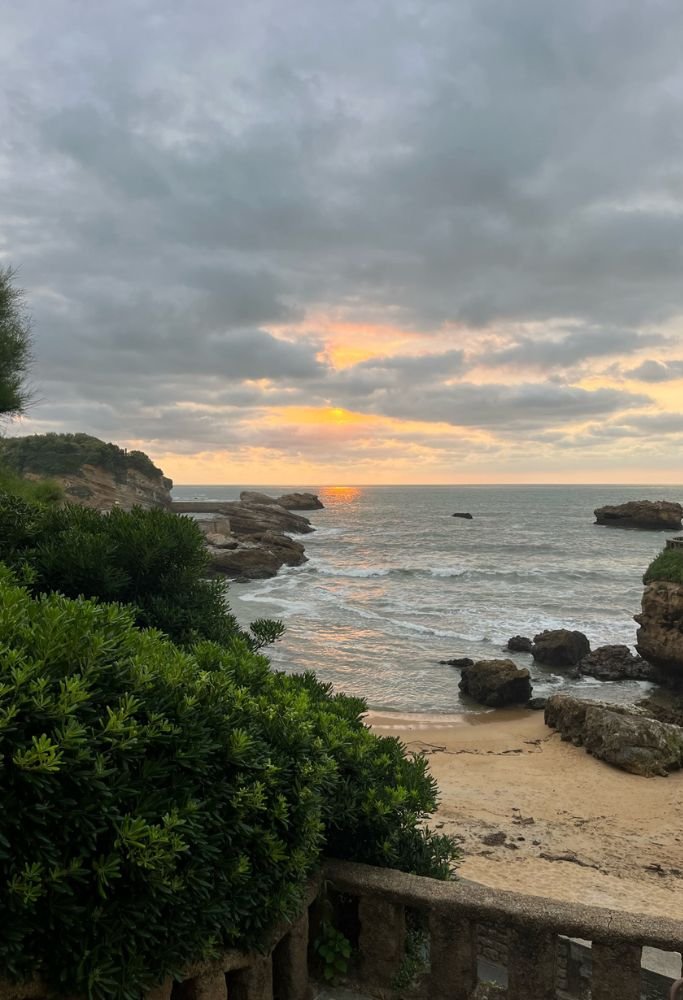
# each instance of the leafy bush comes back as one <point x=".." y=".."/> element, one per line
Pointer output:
<point x="15" y="347"/>
<point x="667" y="566"/>
<point x="66" y="454"/>
<point x="151" y="559"/>
<point x="161" y="804"/>
<point x="154" y="807"/>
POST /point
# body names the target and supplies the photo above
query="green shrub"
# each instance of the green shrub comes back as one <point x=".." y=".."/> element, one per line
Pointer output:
<point x="40" y="491"/>
<point x="151" y="559"/>
<point x="667" y="566"/>
<point x="66" y="454"/>
<point x="161" y="804"/>
<point x="154" y="807"/>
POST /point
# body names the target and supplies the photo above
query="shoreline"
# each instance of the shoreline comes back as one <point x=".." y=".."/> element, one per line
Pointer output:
<point x="539" y="816"/>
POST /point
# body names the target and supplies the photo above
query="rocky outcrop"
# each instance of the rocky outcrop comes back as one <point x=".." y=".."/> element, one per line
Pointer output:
<point x="461" y="661"/>
<point x="290" y="501"/>
<point x="520" y="644"/>
<point x="496" y="683"/>
<point x="560" y="647"/>
<point x="626" y="738"/>
<point x="247" y="540"/>
<point x="651" y="514"/>
<point x="101" y="489"/>
<point x="465" y="516"/>
<point x="660" y="635"/>
<point x="616" y="663"/>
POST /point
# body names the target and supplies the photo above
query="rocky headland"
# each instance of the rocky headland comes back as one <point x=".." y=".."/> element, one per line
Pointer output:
<point x="248" y="539"/>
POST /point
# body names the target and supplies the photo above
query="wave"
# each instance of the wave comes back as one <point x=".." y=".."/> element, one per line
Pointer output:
<point x="451" y="572"/>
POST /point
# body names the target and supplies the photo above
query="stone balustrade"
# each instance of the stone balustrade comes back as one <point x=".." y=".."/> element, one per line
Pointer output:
<point x="533" y="926"/>
<point x="464" y="920"/>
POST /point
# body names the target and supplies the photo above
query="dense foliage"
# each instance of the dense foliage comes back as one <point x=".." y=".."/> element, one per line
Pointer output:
<point x="159" y="803"/>
<point x="66" y="454"/>
<point x="15" y="347"/>
<point x="667" y="566"/>
<point x="151" y="559"/>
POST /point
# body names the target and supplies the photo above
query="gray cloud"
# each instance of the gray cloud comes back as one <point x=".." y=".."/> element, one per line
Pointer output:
<point x="179" y="182"/>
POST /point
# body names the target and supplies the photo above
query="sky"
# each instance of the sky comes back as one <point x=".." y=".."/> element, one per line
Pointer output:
<point x="377" y="241"/>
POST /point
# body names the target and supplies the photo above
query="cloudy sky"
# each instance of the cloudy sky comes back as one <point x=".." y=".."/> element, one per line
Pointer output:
<point x="362" y="241"/>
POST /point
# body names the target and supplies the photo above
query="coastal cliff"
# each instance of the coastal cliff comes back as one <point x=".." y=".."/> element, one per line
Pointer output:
<point x="90" y="472"/>
<point x="660" y="635"/>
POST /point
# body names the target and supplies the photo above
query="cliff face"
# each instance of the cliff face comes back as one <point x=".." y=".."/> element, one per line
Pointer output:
<point x="96" y="487"/>
<point x="660" y="636"/>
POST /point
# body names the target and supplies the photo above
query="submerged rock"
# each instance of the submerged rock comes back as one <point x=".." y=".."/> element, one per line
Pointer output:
<point x="520" y="644"/>
<point x="496" y="683"/>
<point x="467" y="517"/>
<point x="463" y="661"/>
<point x="641" y="514"/>
<point x="560" y="647"/>
<point x="616" y="663"/>
<point x="623" y="737"/>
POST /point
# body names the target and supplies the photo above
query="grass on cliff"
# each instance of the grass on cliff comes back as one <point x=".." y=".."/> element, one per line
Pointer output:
<point x="667" y="566"/>
<point x="66" y="454"/>
<point x="44" y="491"/>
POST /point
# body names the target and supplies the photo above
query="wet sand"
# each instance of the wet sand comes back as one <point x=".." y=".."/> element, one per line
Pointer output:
<point x="542" y="817"/>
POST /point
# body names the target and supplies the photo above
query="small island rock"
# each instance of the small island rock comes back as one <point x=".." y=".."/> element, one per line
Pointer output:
<point x="560" y="647"/>
<point x="496" y="683"/>
<point x="520" y="644"/>
<point x="616" y="663"/>
<point x="641" y="514"/>
<point x="467" y="517"/>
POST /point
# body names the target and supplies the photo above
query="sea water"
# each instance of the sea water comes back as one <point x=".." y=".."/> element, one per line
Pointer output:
<point x="394" y="584"/>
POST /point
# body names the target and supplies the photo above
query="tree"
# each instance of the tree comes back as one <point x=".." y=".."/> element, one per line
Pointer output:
<point x="15" y="346"/>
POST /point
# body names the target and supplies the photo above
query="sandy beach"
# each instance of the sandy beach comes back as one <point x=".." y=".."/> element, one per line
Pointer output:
<point x="540" y="816"/>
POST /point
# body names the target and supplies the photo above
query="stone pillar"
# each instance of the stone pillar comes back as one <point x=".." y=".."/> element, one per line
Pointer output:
<point x="381" y="940"/>
<point x="209" y="986"/>
<point x="453" y="951"/>
<point x="254" y="982"/>
<point x="162" y="991"/>
<point x="615" y="971"/>
<point x="290" y="962"/>
<point x="532" y="961"/>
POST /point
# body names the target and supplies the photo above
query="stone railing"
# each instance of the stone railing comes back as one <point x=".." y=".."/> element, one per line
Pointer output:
<point x="457" y="911"/>
<point x="464" y="920"/>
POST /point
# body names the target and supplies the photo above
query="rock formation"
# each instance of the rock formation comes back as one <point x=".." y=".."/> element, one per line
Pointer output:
<point x="624" y="737"/>
<point x="520" y="644"/>
<point x="290" y="501"/>
<point x="616" y="663"/>
<point x="466" y="516"/>
<point x="660" y="635"/>
<point x="246" y="538"/>
<point x="496" y="683"/>
<point x="560" y="647"/>
<point x="462" y="661"/>
<point x="641" y="514"/>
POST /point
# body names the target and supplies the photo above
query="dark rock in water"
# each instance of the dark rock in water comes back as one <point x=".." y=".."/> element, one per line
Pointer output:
<point x="300" y="501"/>
<point x="468" y="517"/>
<point x="620" y="736"/>
<point x="616" y="663"/>
<point x="641" y="514"/>
<point x="560" y="647"/>
<point x="520" y="644"/>
<point x="464" y="661"/>
<point x="496" y="683"/>
<point x="537" y="703"/>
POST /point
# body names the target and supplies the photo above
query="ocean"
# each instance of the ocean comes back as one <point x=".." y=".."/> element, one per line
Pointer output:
<point x="394" y="584"/>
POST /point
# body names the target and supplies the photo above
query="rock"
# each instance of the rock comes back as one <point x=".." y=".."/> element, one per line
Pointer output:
<point x="622" y="737"/>
<point x="300" y="501"/>
<point x="494" y="839"/>
<point x="537" y="703"/>
<point x="464" y="661"/>
<point x="660" y="636"/>
<point x="616" y="663"/>
<point x="641" y="514"/>
<point x="468" y="517"/>
<point x="218" y="541"/>
<point x="257" y="558"/>
<point x="251" y="496"/>
<point x="560" y="647"/>
<point x="496" y="683"/>
<point x="248" y="518"/>
<point x="520" y="644"/>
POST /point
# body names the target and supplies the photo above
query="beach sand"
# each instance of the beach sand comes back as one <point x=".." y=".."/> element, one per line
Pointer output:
<point x="574" y="828"/>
